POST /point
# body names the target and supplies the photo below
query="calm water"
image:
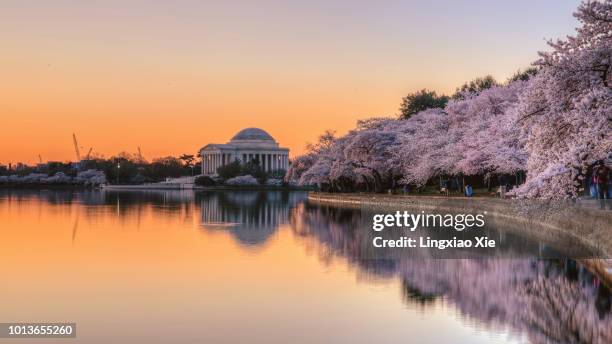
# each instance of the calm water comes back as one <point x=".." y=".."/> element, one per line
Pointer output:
<point x="265" y="267"/>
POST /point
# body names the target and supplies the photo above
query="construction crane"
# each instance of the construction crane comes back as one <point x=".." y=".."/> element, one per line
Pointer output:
<point x="88" y="153"/>
<point x="40" y="159"/>
<point x="76" y="147"/>
<point x="140" y="157"/>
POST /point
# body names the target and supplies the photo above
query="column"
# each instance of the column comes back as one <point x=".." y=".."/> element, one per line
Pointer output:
<point x="262" y="161"/>
<point x="276" y="165"/>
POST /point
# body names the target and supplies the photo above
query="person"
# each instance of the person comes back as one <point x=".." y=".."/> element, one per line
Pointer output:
<point x="602" y="177"/>
<point x="444" y="186"/>
<point x="593" y="186"/>
<point x="468" y="190"/>
<point x="454" y="185"/>
<point x="503" y="185"/>
<point x="502" y="191"/>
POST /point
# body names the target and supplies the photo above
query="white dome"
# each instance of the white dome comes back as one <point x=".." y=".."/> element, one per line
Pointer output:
<point x="252" y="134"/>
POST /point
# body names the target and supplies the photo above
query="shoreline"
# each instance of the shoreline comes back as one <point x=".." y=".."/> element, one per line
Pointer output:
<point x="187" y="187"/>
<point x="564" y="223"/>
<point x="38" y="186"/>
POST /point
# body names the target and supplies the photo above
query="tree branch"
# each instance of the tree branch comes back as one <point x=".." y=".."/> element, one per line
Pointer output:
<point x="532" y="113"/>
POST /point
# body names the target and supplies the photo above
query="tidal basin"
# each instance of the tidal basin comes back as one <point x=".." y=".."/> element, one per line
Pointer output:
<point x="269" y="267"/>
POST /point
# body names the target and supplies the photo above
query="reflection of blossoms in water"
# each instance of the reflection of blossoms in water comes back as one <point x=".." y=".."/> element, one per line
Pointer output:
<point x="538" y="297"/>
<point x="551" y="301"/>
<point x="333" y="227"/>
<point x="563" y="312"/>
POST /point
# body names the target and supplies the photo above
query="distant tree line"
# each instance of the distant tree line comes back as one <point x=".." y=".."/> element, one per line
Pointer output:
<point x="126" y="168"/>
<point x="123" y="168"/>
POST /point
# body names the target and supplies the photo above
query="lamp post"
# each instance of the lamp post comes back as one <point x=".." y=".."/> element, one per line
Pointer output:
<point x="118" y="167"/>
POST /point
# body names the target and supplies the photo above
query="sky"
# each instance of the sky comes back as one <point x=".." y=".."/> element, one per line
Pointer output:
<point x="173" y="76"/>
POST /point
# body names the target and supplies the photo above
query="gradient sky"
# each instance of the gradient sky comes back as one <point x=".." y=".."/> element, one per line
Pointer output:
<point x="172" y="76"/>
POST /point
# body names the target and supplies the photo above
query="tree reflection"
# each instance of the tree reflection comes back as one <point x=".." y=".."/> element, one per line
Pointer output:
<point x="550" y="300"/>
<point x="413" y="295"/>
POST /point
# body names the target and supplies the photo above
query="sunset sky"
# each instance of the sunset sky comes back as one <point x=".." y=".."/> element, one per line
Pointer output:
<point x="172" y="76"/>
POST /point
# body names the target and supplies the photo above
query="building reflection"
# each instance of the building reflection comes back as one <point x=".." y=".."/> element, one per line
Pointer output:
<point x="252" y="217"/>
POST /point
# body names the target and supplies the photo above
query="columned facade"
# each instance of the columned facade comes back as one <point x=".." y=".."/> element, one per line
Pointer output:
<point x="249" y="145"/>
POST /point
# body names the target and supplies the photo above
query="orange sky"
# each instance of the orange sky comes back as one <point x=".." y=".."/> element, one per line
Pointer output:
<point x="171" y="77"/>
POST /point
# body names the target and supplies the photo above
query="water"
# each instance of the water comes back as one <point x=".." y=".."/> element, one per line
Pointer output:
<point x="265" y="267"/>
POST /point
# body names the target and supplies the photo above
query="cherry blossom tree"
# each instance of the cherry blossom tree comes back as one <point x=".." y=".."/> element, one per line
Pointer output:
<point x="553" y="124"/>
<point x="298" y="172"/>
<point x="299" y="166"/>
<point x="424" y="150"/>
<point x="566" y="111"/>
<point x="489" y="141"/>
<point x="242" y="180"/>
<point x="369" y="153"/>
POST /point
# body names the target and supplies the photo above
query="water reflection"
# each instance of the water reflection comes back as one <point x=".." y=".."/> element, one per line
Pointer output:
<point x="250" y="216"/>
<point x="550" y="300"/>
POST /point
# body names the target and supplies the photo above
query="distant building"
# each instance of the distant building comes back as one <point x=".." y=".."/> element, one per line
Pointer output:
<point x="250" y="144"/>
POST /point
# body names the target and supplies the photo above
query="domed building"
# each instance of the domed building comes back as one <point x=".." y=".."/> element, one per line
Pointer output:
<point x="250" y="144"/>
